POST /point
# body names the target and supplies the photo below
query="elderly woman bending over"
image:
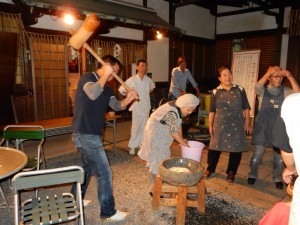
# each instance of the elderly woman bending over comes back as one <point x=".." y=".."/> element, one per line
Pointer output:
<point x="163" y="126"/>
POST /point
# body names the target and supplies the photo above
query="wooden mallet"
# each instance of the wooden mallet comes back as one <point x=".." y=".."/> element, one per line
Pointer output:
<point x="84" y="32"/>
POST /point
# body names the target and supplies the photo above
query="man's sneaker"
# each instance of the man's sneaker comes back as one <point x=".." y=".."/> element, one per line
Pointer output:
<point x="132" y="151"/>
<point x="86" y="203"/>
<point x="251" y="180"/>
<point x="119" y="216"/>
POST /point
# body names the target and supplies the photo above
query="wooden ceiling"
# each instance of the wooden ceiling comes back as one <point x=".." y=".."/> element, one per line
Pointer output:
<point x="240" y="6"/>
<point x="237" y="7"/>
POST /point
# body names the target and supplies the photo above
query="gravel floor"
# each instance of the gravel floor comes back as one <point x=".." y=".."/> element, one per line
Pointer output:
<point x="130" y="182"/>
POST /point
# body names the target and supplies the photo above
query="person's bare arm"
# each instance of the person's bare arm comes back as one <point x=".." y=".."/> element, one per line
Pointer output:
<point x="179" y="138"/>
<point x="248" y="129"/>
<point x="211" y="116"/>
<point x="270" y="72"/>
<point x="289" y="76"/>
<point x="198" y="92"/>
<point x="288" y="159"/>
<point x="131" y="95"/>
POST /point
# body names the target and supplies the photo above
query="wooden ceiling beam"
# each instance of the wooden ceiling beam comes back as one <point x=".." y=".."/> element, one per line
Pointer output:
<point x="257" y="5"/>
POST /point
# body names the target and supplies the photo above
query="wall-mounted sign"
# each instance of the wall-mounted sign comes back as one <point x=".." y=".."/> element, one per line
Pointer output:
<point x="245" y="66"/>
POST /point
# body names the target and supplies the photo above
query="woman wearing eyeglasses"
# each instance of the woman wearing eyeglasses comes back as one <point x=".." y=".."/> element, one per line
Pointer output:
<point x="229" y="121"/>
<point x="270" y="99"/>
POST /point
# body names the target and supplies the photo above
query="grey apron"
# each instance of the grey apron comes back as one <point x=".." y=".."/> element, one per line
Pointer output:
<point x="266" y="117"/>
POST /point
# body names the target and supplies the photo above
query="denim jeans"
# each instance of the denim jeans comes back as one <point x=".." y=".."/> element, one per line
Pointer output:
<point x="95" y="162"/>
<point x="256" y="161"/>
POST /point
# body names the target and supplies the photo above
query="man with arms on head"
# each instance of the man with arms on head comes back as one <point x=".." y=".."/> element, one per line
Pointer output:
<point x="271" y="92"/>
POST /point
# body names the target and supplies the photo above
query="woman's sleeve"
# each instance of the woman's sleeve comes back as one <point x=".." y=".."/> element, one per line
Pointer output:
<point x="170" y="119"/>
<point x="245" y="100"/>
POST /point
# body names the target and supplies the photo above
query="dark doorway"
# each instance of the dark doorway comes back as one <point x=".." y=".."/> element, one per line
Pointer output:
<point x="8" y="57"/>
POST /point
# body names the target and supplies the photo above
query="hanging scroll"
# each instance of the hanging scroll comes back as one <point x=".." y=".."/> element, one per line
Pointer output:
<point x="245" y="66"/>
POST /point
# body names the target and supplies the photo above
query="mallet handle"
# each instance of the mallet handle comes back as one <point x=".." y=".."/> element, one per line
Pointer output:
<point x="88" y="48"/>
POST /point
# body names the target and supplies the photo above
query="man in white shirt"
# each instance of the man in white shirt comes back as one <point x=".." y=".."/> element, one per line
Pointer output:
<point x="143" y="85"/>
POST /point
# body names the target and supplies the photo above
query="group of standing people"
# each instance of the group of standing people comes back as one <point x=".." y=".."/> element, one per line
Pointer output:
<point x="93" y="97"/>
<point x="229" y="122"/>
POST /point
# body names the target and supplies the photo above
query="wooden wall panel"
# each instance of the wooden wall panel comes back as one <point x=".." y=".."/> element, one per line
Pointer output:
<point x="223" y="53"/>
<point x="199" y="54"/>
<point x="293" y="60"/>
<point x="265" y="43"/>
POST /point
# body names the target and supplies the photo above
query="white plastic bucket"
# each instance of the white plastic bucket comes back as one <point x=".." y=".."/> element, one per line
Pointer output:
<point x="194" y="151"/>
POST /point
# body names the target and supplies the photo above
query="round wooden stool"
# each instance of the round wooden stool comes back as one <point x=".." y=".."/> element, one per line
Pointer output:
<point x="179" y="197"/>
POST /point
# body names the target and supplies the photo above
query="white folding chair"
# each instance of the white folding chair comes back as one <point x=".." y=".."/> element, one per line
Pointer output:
<point x="52" y="207"/>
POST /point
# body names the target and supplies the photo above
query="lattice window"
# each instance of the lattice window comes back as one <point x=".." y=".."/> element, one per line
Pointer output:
<point x="49" y="59"/>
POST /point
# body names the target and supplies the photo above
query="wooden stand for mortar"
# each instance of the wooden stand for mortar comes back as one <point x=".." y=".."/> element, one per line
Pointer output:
<point x="180" y="200"/>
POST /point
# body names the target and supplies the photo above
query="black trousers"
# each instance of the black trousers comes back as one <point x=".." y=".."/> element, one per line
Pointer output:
<point x="233" y="163"/>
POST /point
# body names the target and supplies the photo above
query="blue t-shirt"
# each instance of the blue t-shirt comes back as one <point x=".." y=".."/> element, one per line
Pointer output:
<point x="89" y="115"/>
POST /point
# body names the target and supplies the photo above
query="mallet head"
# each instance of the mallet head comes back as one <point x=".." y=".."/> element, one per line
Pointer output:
<point x="85" y="31"/>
